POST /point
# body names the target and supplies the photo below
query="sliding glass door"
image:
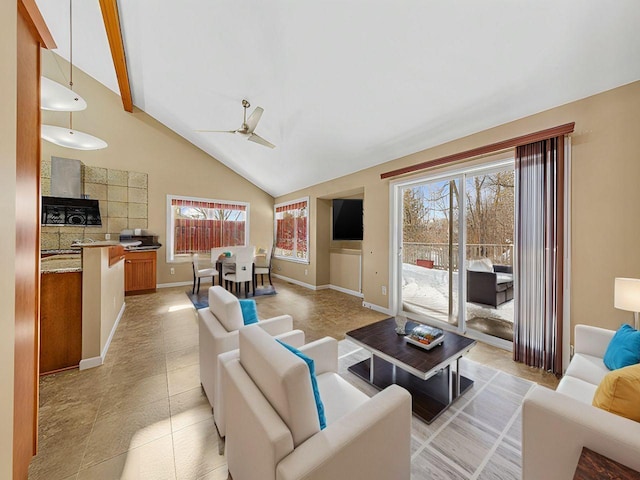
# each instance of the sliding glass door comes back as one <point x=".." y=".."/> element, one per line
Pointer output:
<point x="455" y="250"/>
<point x="489" y="253"/>
<point x="430" y="217"/>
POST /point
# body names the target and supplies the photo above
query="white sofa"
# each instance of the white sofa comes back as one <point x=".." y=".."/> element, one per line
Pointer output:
<point x="557" y="424"/>
<point x="273" y="428"/>
<point x="218" y="326"/>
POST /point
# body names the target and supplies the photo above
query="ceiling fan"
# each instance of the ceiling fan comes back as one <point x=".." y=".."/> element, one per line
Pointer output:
<point x="248" y="126"/>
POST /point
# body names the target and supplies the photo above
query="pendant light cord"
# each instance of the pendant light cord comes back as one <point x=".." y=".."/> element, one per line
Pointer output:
<point x="71" y="44"/>
<point x="71" y="57"/>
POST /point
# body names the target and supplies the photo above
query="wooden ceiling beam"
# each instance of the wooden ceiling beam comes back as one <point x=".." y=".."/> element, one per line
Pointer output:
<point x="111" y="19"/>
<point x="44" y="35"/>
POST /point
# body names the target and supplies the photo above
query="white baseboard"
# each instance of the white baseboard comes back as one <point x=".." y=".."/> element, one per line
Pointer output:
<point x="347" y="291"/>
<point x="97" y="361"/>
<point x="90" y="362"/>
<point x="377" y="308"/>
<point x="319" y="287"/>
<point x="177" y="284"/>
<point x="297" y="282"/>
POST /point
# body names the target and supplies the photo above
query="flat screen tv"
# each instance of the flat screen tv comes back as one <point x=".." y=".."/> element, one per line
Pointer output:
<point x="347" y="219"/>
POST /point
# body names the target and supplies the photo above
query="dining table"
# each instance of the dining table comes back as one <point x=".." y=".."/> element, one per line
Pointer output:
<point x="222" y="260"/>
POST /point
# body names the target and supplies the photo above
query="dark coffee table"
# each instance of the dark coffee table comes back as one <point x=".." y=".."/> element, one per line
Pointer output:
<point x="426" y="374"/>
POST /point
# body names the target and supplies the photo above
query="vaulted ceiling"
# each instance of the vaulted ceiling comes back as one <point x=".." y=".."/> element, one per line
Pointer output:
<point x="350" y="84"/>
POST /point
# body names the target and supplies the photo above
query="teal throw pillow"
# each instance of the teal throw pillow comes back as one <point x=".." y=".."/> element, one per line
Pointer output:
<point x="624" y="348"/>
<point x="314" y="383"/>
<point x="249" y="311"/>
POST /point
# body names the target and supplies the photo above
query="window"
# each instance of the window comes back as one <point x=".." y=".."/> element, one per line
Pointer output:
<point x="196" y="225"/>
<point x="291" y="230"/>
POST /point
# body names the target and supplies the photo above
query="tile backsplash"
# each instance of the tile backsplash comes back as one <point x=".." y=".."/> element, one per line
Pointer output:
<point x="123" y="205"/>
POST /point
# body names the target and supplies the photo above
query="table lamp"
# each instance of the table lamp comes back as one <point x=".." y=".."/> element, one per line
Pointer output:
<point x="627" y="296"/>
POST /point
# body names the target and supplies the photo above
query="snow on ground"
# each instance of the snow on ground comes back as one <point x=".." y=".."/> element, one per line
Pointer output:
<point x="429" y="289"/>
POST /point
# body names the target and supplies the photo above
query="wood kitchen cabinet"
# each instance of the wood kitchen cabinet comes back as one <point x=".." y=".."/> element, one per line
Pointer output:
<point x="140" y="272"/>
<point x="60" y="321"/>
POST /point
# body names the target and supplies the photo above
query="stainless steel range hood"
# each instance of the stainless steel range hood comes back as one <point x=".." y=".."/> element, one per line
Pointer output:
<point x="67" y="206"/>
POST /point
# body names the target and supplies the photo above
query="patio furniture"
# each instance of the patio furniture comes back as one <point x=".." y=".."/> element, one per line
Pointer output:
<point x="489" y="284"/>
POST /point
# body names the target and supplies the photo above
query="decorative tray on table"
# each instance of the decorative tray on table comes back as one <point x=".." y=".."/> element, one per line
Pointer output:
<point x="425" y="337"/>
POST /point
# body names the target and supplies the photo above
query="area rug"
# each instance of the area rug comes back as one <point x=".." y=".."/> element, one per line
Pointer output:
<point x="478" y="437"/>
<point x="201" y="299"/>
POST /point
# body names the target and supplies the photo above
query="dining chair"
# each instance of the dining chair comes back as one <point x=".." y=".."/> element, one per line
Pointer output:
<point x="198" y="273"/>
<point x="243" y="273"/>
<point x="224" y="266"/>
<point x="262" y="267"/>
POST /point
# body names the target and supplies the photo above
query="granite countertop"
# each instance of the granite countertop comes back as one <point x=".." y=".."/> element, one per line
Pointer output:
<point x="97" y="243"/>
<point x="58" y="251"/>
<point x="64" y="263"/>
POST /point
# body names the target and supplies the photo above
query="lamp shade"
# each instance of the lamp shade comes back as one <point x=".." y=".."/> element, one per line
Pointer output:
<point x="627" y="294"/>
<point x="57" y="97"/>
<point x="66" y="137"/>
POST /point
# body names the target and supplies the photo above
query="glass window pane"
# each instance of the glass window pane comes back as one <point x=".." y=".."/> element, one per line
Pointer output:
<point x="198" y="225"/>
<point x="430" y="250"/>
<point x="291" y="231"/>
<point x="490" y="219"/>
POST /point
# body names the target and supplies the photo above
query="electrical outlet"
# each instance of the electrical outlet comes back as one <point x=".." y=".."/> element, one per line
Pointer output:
<point x="306" y="272"/>
<point x="384" y="289"/>
<point x="107" y="236"/>
<point x="172" y="271"/>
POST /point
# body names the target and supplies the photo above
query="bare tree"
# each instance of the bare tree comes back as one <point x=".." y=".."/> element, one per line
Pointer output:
<point x="415" y="215"/>
<point x="431" y="212"/>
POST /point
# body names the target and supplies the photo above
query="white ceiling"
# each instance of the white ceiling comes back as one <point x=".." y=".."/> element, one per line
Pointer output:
<point x="350" y="84"/>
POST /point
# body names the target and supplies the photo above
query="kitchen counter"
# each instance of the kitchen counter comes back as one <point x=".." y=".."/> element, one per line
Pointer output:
<point x="64" y="263"/>
<point x="48" y="253"/>
<point x="97" y="243"/>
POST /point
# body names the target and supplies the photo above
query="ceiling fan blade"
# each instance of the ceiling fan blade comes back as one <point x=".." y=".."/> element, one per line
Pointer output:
<point x="216" y="131"/>
<point x="254" y="118"/>
<point x="258" y="139"/>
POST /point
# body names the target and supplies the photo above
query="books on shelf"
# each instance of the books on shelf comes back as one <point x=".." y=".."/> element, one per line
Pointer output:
<point x="425" y="336"/>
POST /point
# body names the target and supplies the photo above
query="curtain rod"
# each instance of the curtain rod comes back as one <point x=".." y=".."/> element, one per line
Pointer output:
<point x="560" y="130"/>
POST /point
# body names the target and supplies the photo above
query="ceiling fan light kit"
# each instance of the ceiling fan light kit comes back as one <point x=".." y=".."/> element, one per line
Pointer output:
<point x="57" y="97"/>
<point x="248" y="126"/>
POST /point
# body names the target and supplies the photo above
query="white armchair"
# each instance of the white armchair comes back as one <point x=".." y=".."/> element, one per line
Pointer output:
<point x="295" y="338"/>
<point x="218" y="326"/>
<point x="273" y="430"/>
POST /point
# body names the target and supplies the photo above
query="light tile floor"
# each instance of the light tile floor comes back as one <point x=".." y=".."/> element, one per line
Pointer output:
<point x="143" y="415"/>
<point x="478" y="437"/>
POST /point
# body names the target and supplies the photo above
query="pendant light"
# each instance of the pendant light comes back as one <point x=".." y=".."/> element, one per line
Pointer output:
<point x="57" y="98"/>
<point x="68" y="137"/>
